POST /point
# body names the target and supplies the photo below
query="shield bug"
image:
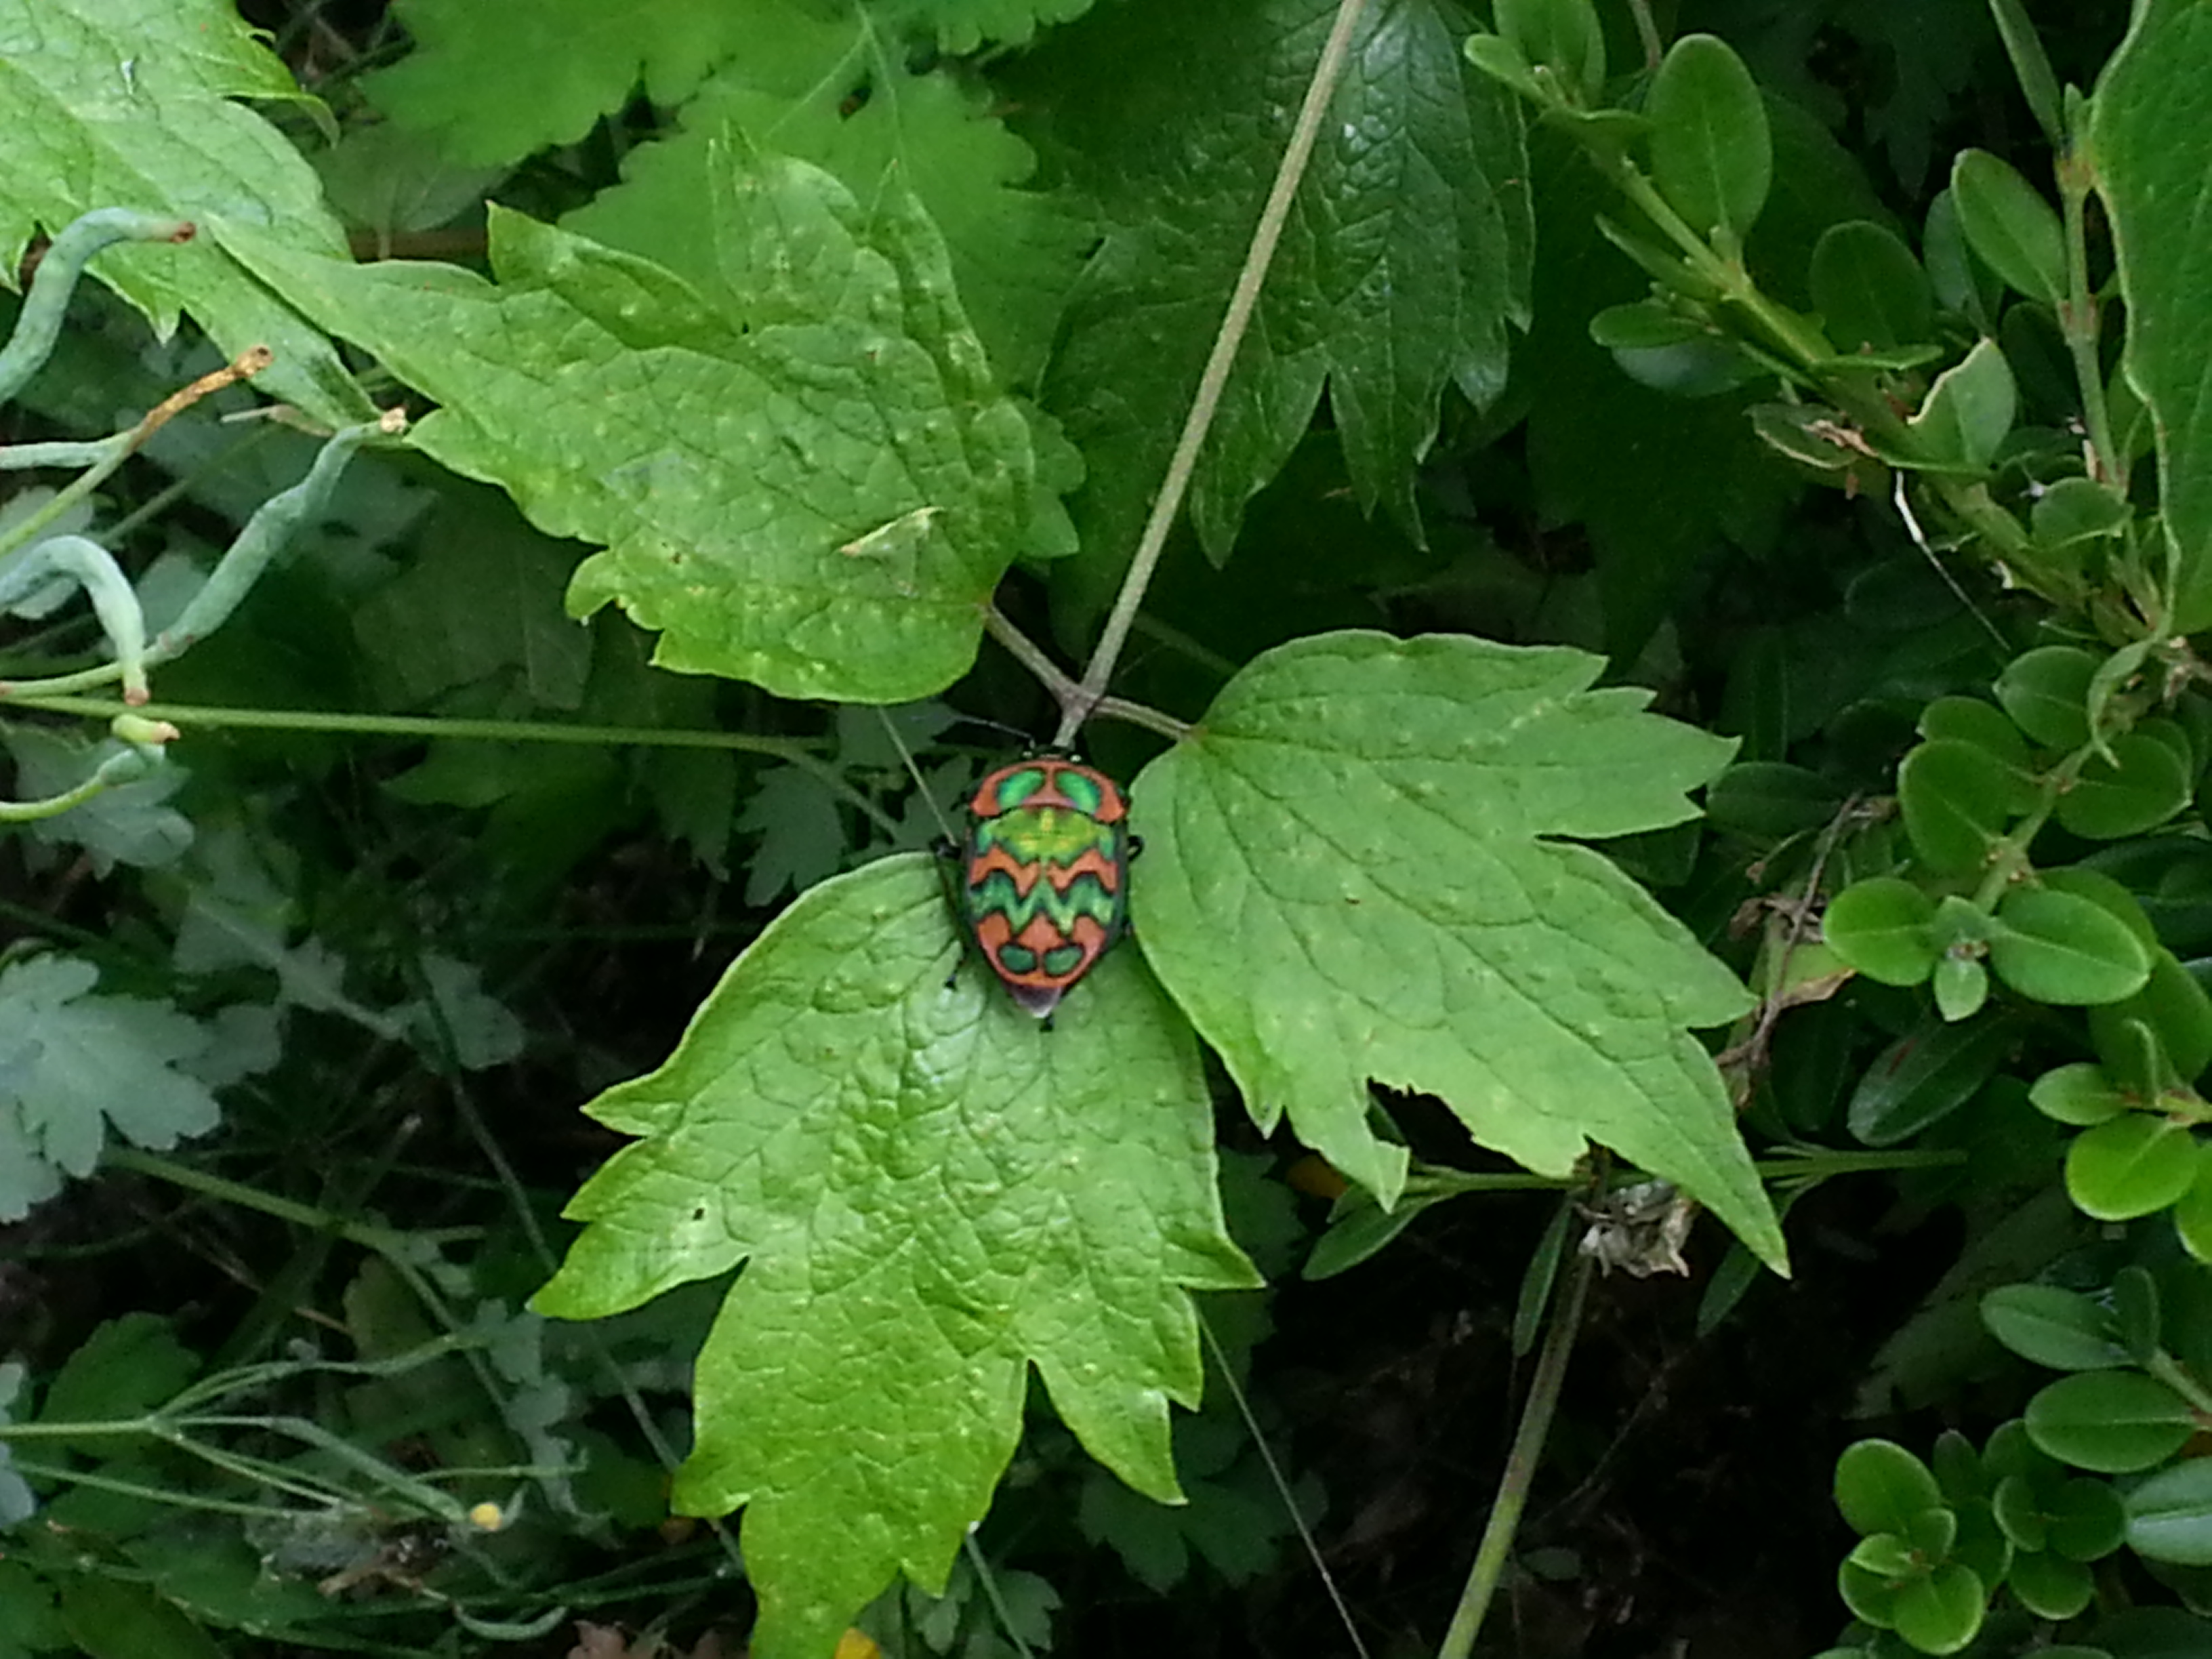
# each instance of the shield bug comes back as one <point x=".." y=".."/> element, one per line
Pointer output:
<point x="1044" y="875"/>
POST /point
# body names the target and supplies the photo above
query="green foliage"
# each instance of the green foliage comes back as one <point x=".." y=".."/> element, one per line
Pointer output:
<point x="2146" y="173"/>
<point x="1410" y="262"/>
<point x="848" y="543"/>
<point x="826" y="340"/>
<point x="133" y="106"/>
<point x="1324" y="802"/>
<point x="834" y="1067"/>
<point x="75" y="1066"/>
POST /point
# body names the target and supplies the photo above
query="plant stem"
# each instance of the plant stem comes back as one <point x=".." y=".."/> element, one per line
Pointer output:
<point x="1282" y="1482"/>
<point x="1215" y="379"/>
<point x="1521" y="1464"/>
<point x="1065" y="691"/>
<point x="213" y="718"/>
<point x="2078" y="321"/>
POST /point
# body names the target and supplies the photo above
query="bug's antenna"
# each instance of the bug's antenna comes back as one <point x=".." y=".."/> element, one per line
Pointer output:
<point x="890" y="729"/>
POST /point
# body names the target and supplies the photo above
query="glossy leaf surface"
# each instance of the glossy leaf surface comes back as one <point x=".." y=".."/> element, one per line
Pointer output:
<point x="1401" y="800"/>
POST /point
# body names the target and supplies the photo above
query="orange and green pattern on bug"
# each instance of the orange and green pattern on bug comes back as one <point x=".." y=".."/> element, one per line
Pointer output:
<point x="1045" y="875"/>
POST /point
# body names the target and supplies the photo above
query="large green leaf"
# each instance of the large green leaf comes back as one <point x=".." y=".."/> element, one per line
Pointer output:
<point x="933" y="1193"/>
<point x="496" y="83"/>
<point x="803" y="479"/>
<point x="128" y="103"/>
<point x="1345" y="878"/>
<point x="836" y="90"/>
<point x="2153" y="152"/>
<point x="1405" y="258"/>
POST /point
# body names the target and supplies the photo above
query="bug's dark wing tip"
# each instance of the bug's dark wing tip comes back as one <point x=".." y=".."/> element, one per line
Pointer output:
<point x="1037" y="999"/>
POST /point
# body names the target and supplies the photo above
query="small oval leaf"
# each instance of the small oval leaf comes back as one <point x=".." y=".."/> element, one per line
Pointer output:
<point x="2170" y="1515"/>
<point x="2079" y="1094"/>
<point x="1712" y="156"/>
<point x="2046" y="691"/>
<point x="2061" y="1329"/>
<point x="1957" y="798"/>
<point x="1880" y="1487"/>
<point x="2065" y="950"/>
<point x="2133" y="1166"/>
<point x="1926" y="1075"/>
<point x="1967" y="414"/>
<point x="1880" y="927"/>
<point x="2114" y="1422"/>
<point x="1870" y="289"/>
<point x="2010" y="224"/>
<point x="2142" y="785"/>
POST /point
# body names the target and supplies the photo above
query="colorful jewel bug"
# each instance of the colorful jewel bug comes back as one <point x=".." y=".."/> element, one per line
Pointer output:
<point x="1044" y="875"/>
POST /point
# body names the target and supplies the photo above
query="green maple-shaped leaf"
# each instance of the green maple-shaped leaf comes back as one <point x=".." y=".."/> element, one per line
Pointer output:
<point x="932" y="1193"/>
<point x="1346" y="876"/>
<point x="1405" y="257"/>
<point x="72" y="1067"/>
<point x="836" y="89"/>
<point x="961" y="25"/>
<point x="805" y="478"/>
<point x="128" y="103"/>
<point x="496" y="82"/>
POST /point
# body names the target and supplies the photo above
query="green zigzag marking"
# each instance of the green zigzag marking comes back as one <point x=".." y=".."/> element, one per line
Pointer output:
<point x="1086" y="896"/>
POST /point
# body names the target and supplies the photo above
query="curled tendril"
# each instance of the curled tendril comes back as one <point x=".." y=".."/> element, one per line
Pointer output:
<point x="39" y="323"/>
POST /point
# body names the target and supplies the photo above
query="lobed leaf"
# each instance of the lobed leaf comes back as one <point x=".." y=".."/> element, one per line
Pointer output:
<point x="1348" y="875"/>
<point x="834" y="88"/>
<point x="74" y="1066"/>
<point x="1406" y="259"/>
<point x="805" y="478"/>
<point x="129" y="103"/>
<point x="933" y="1194"/>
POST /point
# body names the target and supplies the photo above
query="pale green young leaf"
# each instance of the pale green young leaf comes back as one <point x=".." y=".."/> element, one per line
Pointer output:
<point x="933" y="1194"/>
<point x="130" y="823"/>
<point x="459" y="1019"/>
<point x="742" y="453"/>
<point x="1406" y="258"/>
<point x="837" y="91"/>
<point x="2152" y="150"/>
<point x="129" y="103"/>
<point x="1349" y="874"/>
<point x="75" y="1067"/>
